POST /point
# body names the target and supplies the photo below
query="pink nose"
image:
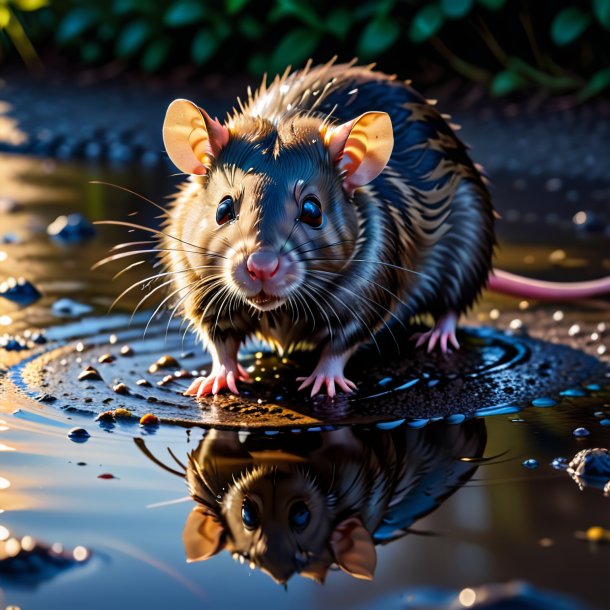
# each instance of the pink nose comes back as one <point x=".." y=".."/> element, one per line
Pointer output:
<point x="263" y="264"/>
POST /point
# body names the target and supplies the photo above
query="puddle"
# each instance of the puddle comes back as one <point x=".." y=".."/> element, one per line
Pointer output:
<point x="455" y="468"/>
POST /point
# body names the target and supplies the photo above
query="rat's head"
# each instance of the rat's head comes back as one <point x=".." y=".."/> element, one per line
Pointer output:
<point x="279" y="520"/>
<point x="273" y="198"/>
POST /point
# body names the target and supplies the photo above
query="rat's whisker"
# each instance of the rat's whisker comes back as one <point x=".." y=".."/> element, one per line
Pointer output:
<point x="123" y="188"/>
<point x="372" y="262"/>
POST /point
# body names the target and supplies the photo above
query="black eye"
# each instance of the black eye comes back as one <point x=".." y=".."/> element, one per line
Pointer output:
<point x="248" y="514"/>
<point x="225" y="211"/>
<point x="299" y="516"/>
<point x="311" y="212"/>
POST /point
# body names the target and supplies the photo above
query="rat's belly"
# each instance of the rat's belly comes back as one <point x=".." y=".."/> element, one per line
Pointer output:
<point x="285" y="333"/>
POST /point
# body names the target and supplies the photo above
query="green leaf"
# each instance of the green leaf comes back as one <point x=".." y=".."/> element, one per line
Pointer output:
<point x="378" y="36"/>
<point x="235" y="6"/>
<point x="183" y="13"/>
<point x="30" y="5"/>
<point x="506" y="82"/>
<point x="294" y="49"/>
<point x="76" y="22"/>
<point x="299" y="9"/>
<point x="339" y="22"/>
<point x="156" y="54"/>
<point x="598" y="82"/>
<point x="568" y="25"/>
<point x="5" y="16"/>
<point x="132" y="38"/>
<point x="426" y="22"/>
<point x="204" y="46"/>
<point x="601" y="10"/>
<point x="91" y="52"/>
<point x="257" y="64"/>
<point x="250" y="28"/>
<point x="456" y="9"/>
<point x="493" y="5"/>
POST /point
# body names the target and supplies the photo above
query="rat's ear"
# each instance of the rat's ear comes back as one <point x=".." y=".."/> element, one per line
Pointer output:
<point x="361" y="148"/>
<point x="354" y="549"/>
<point x="203" y="535"/>
<point x="316" y="572"/>
<point x="191" y="137"/>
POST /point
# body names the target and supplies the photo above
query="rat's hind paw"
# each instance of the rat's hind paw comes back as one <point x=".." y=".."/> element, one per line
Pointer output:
<point x="317" y="379"/>
<point x="442" y="333"/>
<point x="212" y="384"/>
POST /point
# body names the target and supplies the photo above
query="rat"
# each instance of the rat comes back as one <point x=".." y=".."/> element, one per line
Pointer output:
<point x="335" y="202"/>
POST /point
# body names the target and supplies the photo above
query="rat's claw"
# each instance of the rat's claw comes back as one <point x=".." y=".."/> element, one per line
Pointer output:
<point x="218" y="380"/>
<point x="243" y="375"/>
<point x="442" y="334"/>
<point x="329" y="381"/>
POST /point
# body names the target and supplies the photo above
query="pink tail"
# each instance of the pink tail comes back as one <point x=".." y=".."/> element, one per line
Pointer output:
<point x="518" y="286"/>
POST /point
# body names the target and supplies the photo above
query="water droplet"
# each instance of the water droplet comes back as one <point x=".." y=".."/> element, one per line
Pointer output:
<point x="530" y="463"/>
<point x="573" y="392"/>
<point x="456" y="418"/>
<point x="581" y="432"/>
<point x="559" y="463"/>
<point x="543" y="401"/>
<point x="390" y="425"/>
<point x="78" y="435"/>
<point x="604" y="422"/>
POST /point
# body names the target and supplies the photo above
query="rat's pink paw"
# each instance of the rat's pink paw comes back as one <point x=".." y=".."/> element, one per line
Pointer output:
<point x="218" y="380"/>
<point x="318" y="379"/>
<point x="443" y="333"/>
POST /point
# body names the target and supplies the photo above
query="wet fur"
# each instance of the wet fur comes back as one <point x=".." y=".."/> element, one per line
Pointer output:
<point x="429" y="211"/>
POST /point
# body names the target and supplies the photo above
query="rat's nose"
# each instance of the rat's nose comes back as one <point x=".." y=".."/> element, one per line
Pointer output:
<point x="263" y="264"/>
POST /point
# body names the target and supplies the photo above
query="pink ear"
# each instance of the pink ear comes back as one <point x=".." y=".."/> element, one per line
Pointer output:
<point x="361" y="148"/>
<point x="191" y="137"/>
<point x="202" y="535"/>
<point x="354" y="549"/>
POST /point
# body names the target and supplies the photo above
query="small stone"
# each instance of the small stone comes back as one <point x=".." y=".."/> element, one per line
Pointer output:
<point x="120" y="388"/>
<point x="530" y="463"/>
<point x="89" y="374"/>
<point x="69" y="308"/>
<point x="71" y="229"/>
<point x="165" y="362"/>
<point x="106" y="359"/>
<point x="126" y="350"/>
<point x="20" y="291"/>
<point x="106" y="417"/>
<point x="149" y="420"/>
<point x="144" y="383"/>
<point x="183" y="374"/>
<point x="106" y="475"/>
<point x="559" y="463"/>
<point x="166" y="380"/>
<point x="78" y="435"/>
<point x="120" y="412"/>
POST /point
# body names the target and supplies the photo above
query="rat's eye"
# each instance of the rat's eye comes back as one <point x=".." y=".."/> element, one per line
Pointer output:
<point x="299" y="516"/>
<point x="248" y="514"/>
<point x="225" y="211"/>
<point x="311" y="212"/>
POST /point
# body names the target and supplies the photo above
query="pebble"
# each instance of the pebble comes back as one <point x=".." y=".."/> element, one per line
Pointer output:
<point x="530" y="463"/>
<point x="126" y="350"/>
<point x="122" y="412"/>
<point x="89" y="374"/>
<point x="106" y="475"/>
<point x="70" y="308"/>
<point x="106" y="359"/>
<point x="71" y="229"/>
<point x="144" y="383"/>
<point x="78" y="435"/>
<point x="591" y="463"/>
<point x="166" y="380"/>
<point x="149" y="420"/>
<point x="20" y="291"/>
<point x="165" y="362"/>
<point x="106" y="416"/>
<point x="120" y="388"/>
<point x="559" y="463"/>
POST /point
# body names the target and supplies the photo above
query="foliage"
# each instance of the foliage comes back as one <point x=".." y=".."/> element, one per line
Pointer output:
<point x="559" y="46"/>
<point x="12" y="28"/>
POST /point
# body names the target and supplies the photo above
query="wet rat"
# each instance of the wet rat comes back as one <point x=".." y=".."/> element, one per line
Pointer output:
<point x="335" y="202"/>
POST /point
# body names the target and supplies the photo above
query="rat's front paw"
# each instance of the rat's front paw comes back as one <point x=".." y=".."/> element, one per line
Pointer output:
<point x="219" y="379"/>
<point x="317" y="379"/>
<point x="443" y="333"/>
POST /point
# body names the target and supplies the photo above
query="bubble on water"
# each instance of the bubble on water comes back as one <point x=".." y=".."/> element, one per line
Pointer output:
<point x="530" y="463"/>
<point x="580" y="432"/>
<point x="78" y="435"/>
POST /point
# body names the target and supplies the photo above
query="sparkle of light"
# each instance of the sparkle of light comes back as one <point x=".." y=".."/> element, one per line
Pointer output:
<point x="5" y="320"/>
<point x="12" y="547"/>
<point x="4" y="483"/>
<point x="28" y="543"/>
<point x="4" y="533"/>
<point x="579" y="218"/>
<point x="467" y="598"/>
<point x="558" y="316"/>
<point x="80" y="553"/>
<point x="494" y="314"/>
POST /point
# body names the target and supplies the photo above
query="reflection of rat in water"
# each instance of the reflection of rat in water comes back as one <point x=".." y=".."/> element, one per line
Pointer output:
<point x="299" y="503"/>
<point x="335" y="202"/>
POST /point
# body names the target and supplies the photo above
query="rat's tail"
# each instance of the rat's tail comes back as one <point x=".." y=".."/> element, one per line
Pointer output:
<point x="518" y="286"/>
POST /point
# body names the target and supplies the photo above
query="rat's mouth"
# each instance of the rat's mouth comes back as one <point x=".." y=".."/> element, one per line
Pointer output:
<point x="265" y="301"/>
